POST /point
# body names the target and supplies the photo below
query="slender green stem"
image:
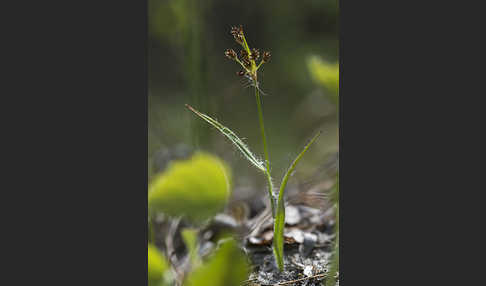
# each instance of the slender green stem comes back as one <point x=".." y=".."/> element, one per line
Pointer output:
<point x="270" y="192"/>
<point x="242" y="65"/>
<point x="254" y="68"/>
<point x="245" y="45"/>
<point x="262" y="127"/>
<point x="247" y="48"/>
<point x="265" y="150"/>
<point x="259" y="65"/>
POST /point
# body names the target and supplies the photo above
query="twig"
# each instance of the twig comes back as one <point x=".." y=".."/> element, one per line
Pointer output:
<point x="301" y="279"/>
<point x="249" y="281"/>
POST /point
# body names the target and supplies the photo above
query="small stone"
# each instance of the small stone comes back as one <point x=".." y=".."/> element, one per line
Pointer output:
<point x="306" y="248"/>
<point x="292" y="215"/>
<point x="296" y="234"/>
<point x="255" y="240"/>
<point x="308" y="271"/>
<point x="206" y="248"/>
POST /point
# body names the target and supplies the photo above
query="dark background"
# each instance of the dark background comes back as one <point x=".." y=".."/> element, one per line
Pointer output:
<point x="186" y="44"/>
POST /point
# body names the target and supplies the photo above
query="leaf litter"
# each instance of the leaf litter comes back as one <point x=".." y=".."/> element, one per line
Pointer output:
<point x="308" y="241"/>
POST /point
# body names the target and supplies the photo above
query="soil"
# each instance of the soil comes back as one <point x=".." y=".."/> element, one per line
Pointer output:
<point x="309" y="239"/>
<point x="299" y="270"/>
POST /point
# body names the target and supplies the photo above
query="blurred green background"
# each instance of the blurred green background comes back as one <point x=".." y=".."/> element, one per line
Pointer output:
<point x="187" y="40"/>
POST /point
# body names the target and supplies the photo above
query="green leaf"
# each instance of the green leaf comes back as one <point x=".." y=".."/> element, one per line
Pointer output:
<point x="190" y="240"/>
<point x="197" y="188"/>
<point x="325" y="74"/>
<point x="279" y="223"/>
<point x="227" y="267"/>
<point x="240" y="145"/>
<point x="156" y="265"/>
<point x="278" y="236"/>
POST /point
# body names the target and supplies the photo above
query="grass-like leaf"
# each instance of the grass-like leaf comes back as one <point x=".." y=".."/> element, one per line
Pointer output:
<point x="278" y="237"/>
<point x="240" y="145"/>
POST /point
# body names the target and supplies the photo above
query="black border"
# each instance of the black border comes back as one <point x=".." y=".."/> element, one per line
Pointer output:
<point x="77" y="142"/>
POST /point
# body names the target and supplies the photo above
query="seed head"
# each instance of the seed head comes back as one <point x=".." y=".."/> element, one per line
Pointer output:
<point x="230" y="54"/>
<point x="266" y="57"/>
<point x="237" y="33"/>
<point x="244" y="55"/>
<point x="245" y="58"/>
<point x="247" y="63"/>
<point x="255" y="54"/>
<point x="236" y="30"/>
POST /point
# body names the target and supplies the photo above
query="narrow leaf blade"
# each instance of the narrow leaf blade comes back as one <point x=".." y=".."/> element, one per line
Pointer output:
<point x="278" y="235"/>
<point x="240" y="145"/>
<point x="279" y="223"/>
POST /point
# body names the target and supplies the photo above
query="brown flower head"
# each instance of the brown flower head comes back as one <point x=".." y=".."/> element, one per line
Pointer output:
<point x="255" y="54"/>
<point x="230" y="54"/>
<point x="244" y="55"/>
<point x="237" y="33"/>
<point x="245" y="58"/>
<point x="266" y="57"/>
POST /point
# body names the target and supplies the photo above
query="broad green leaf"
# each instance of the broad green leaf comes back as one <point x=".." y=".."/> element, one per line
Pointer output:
<point x="240" y="145"/>
<point x="325" y="74"/>
<point x="279" y="223"/>
<point x="197" y="188"/>
<point x="156" y="265"/>
<point x="228" y="267"/>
